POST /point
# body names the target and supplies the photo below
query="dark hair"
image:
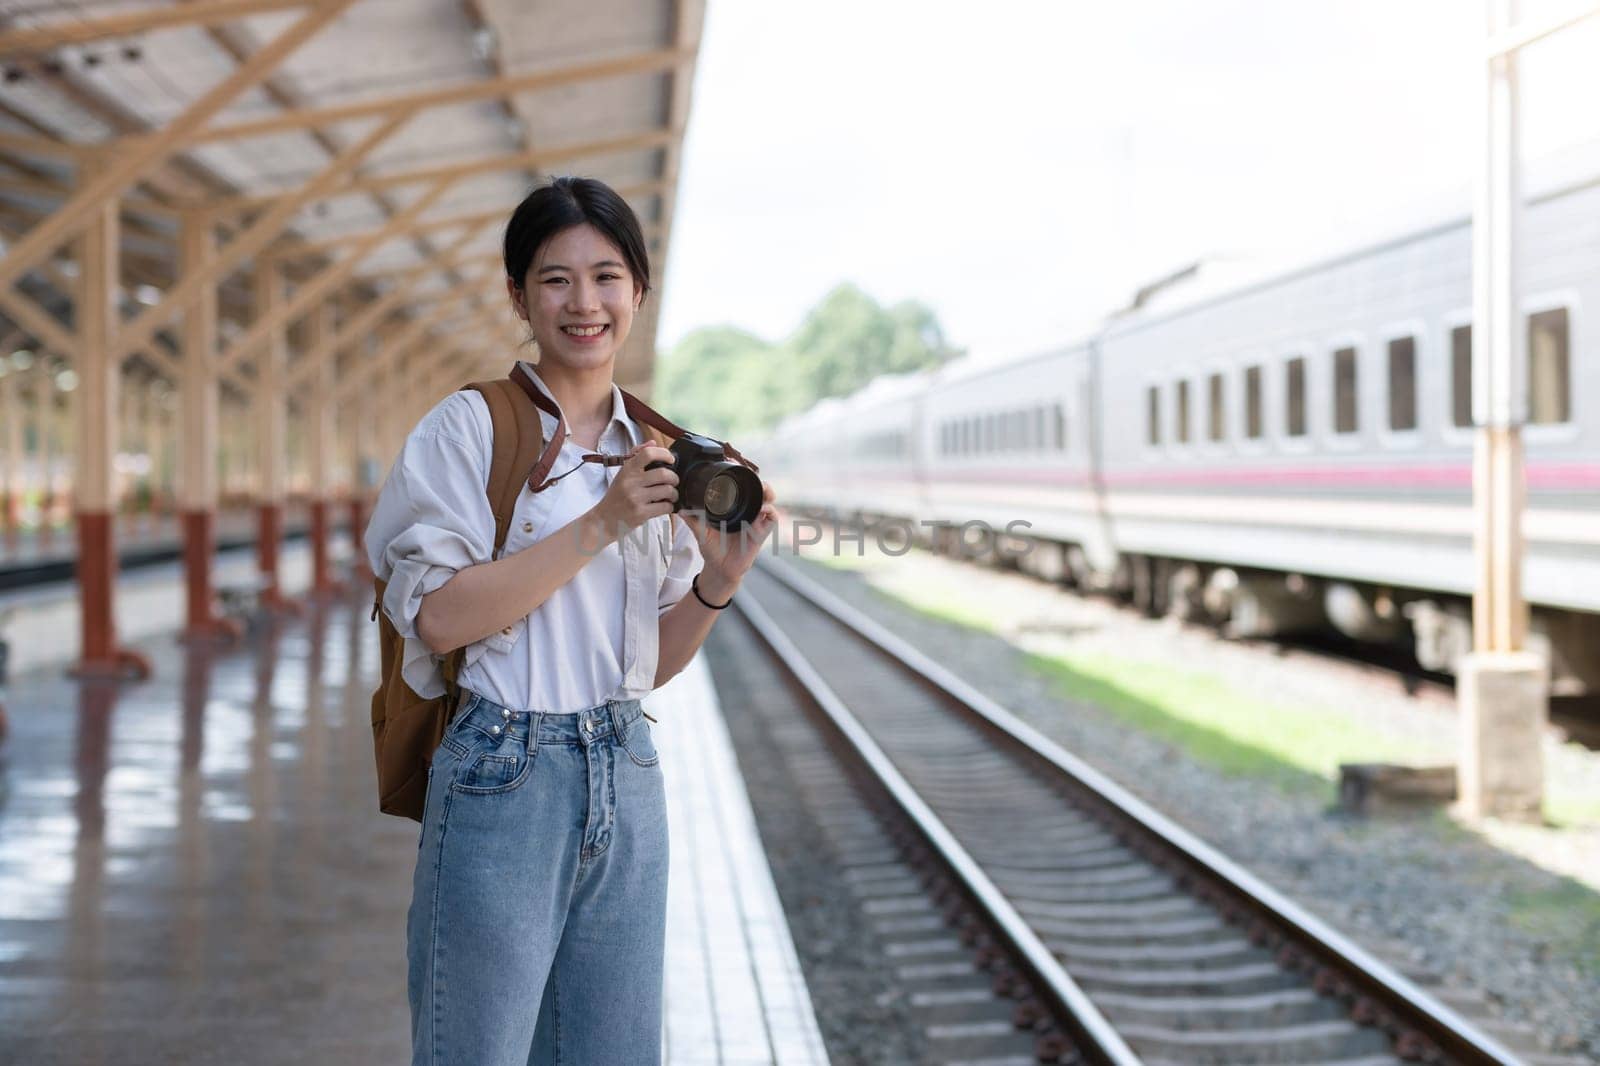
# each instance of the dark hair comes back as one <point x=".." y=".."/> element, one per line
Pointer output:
<point x="568" y="202"/>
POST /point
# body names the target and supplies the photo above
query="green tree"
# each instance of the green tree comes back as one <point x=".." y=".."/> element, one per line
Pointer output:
<point x="725" y="381"/>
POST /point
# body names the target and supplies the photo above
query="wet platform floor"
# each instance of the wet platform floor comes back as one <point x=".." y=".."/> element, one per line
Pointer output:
<point x="192" y="870"/>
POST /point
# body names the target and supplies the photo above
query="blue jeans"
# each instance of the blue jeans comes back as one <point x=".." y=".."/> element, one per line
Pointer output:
<point x="538" y="909"/>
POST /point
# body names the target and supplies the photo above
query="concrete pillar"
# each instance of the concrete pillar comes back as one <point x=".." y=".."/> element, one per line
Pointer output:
<point x="320" y="405"/>
<point x="1501" y="688"/>
<point x="271" y="426"/>
<point x="94" y="487"/>
<point x="198" y="438"/>
<point x="1504" y="703"/>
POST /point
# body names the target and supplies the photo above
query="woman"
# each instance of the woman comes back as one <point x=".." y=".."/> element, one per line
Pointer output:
<point x="538" y="906"/>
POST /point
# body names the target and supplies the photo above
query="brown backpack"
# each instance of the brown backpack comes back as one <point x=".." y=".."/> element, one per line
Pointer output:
<point x="406" y="727"/>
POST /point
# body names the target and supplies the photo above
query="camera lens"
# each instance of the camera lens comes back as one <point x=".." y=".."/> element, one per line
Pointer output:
<point x="722" y="496"/>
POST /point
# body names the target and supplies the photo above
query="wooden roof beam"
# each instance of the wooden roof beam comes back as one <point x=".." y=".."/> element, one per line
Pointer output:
<point x="646" y="62"/>
<point x="255" y="237"/>
<point x="409" y="334"/>
<point x="311" y="292"/>
<point x="366" y="320"/>
<point x="470" y="168"/>
<point x="41" y="38"/>
<point x="130" y="163"/>
<point x="433" y="225"/>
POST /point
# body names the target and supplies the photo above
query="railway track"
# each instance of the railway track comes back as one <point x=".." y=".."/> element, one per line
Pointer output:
<point x="1128" y="938"/>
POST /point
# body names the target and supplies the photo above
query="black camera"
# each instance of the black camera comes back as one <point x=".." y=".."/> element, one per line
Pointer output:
<point x="730" y="495"/>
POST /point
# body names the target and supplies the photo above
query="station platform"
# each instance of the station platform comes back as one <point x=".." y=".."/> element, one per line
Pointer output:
<point x="193" y="868"/>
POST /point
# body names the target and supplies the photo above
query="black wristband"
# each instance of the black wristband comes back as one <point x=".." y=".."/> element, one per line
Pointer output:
<point x="694" y="587"/>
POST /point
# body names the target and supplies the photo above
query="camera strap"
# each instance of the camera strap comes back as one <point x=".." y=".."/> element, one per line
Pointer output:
<point x="539" y="478"/>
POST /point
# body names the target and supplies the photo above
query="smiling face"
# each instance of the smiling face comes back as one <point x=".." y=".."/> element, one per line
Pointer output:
<point x="579" y="298"/>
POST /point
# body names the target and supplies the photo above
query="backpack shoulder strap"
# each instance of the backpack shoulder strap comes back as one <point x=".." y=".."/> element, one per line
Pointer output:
<point x="518" y="442"/>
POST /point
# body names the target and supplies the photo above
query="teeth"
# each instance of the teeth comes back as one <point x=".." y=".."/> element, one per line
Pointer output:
<point x="583" y="331"/>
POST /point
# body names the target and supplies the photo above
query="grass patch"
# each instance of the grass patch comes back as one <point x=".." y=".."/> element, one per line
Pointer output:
<point x="1216" y="724"/>
<point x="1297" y="748"/>
<point x="1567" y="808"/>
<point x="1567" y="917"/>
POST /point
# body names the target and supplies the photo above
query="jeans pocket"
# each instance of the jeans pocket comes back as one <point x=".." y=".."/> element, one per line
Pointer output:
<point x="639" y="744"/>
<point x="491" y="768"/>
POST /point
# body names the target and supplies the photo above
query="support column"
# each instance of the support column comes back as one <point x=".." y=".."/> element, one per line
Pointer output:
<point x="272" y="416"/>
<point x="99" y="377"/>
<point x="11" y="425"/>
<point x="44" y="423"/>
<point x="1501" y="687"/>
<point x="321" y="447"/>
<point x="200" y="444"/>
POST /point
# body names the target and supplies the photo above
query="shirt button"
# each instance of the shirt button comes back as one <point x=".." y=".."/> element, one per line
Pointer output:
<point x="527" y="527"/>
<point x="506" y="631"/>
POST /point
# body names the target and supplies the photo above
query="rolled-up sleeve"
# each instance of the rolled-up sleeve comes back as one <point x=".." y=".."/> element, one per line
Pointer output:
<point x="683" y="563"/>
<point x="432" y="519"/>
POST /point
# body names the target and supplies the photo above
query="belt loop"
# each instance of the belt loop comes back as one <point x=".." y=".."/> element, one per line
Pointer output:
<point x="535" y="720"/>
<point x="619" y="728"/>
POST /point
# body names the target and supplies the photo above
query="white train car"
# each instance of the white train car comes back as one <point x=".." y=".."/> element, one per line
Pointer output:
<point x="1010" y="447"/>
<point x="1292" y="454"/>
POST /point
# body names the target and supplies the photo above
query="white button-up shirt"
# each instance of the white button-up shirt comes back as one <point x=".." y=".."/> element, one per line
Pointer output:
<point x="595" y="638"/>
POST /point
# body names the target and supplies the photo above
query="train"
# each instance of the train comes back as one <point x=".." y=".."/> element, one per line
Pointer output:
<point x="1282" y="456"/>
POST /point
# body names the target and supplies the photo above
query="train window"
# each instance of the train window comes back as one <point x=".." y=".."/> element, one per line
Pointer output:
<point x="1549" y="367"/>
<point x="991" y="432"/>
<point x="1294" y="394"/>
<point x="1252" y="402"/>
<point x="1038" y="427"/>
<point x="1182" y="402"/>
<point x="1061" y="429"/>
<point x="1461" y="376"/>
<point x="1215" y="417"/>
<point x="1403" y="383"/>
<point x="1344" y="390"/>
<point x="1152" y="415"/>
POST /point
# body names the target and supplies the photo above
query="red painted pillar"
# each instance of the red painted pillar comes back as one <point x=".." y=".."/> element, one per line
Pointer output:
<point x="101" y="656"/>
<point x="322" y="436"/>
<point x="269" y="534"/>
<point x="360" y="572"/>
<point x="322" y="580"/>
<point x="11" y="429"/>
<point x="272" y="408"/>
<point x="94" y="487"/>
<point x="198" y="443"/>
<point x="11" y="520"/>
<point x="201" y="622"/>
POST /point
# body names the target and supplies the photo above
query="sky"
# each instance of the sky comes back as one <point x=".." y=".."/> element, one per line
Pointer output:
<point x="1023" y="167"/>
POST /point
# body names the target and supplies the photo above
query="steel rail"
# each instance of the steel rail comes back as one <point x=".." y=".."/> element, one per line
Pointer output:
<point x="1412" y="1007"/>
<point x="1090" y="1031"/>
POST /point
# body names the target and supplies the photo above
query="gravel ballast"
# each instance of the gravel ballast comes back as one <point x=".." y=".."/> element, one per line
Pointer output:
<point x="1497" y="918"/>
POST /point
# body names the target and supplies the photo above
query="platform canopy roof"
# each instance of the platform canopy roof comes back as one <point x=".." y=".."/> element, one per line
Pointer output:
<point x="371" y="148"/>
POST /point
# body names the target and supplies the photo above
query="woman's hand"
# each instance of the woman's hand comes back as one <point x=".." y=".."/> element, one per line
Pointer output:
<point x="637" y="495"/>
<point x="729" y="556"/>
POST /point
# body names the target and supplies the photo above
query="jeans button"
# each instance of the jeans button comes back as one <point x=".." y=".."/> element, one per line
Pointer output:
<point x="495" y="730"/>
<point x="505" y="712"/>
